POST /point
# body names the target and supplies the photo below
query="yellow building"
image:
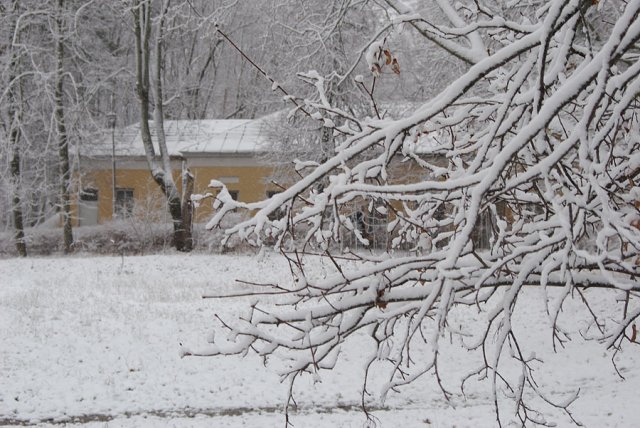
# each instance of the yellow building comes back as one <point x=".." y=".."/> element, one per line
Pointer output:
<point x="224" y="150"/>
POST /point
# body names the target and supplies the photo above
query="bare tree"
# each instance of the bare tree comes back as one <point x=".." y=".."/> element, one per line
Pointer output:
<point x="161" y="169"/>
<point x="155" y="62"/>
<point x="11" y="122"/>
<point x="63" y="146"/>
<point x="36" y="65"/>
<point x="526" y="166"/>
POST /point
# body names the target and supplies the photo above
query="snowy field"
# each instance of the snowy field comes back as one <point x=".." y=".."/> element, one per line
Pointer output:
<point x="95" y="342"/>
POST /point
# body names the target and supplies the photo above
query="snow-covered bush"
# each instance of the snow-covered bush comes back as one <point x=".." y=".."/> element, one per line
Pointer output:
<point x="131" y="236"/>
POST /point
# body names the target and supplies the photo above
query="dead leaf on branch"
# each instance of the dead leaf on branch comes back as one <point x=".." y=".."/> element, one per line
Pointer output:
<point x="395" y="66"/>
<point x="376" y="70"/>
<point x="379" y="302"/>
<point x="378" y="56"/>
<point x="388" y="56"/>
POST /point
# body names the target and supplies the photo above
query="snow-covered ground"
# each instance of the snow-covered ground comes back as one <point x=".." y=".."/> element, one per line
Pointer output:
<point x="95" y="341"/>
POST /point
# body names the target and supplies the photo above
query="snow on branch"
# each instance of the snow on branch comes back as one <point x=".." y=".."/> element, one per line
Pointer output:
<point x="520" y="174"/>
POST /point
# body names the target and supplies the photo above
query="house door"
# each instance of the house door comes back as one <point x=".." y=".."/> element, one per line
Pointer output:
<point x="88" y="207"/>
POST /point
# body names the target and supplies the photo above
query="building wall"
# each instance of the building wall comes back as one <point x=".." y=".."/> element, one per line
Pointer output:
<point x="147" y="195"/>
<point x="250" y="182"/>
<point x="241" y="175"/>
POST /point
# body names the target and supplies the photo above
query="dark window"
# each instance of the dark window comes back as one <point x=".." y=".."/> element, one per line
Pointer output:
<point x="124" y="202"/>
<point x="89" y="195"/>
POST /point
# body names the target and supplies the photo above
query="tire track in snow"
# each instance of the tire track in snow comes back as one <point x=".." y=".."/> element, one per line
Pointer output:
<point x="187" y="412"/>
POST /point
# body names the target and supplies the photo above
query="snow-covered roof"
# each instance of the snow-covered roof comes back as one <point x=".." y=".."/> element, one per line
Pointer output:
<point x="188" y="138"/>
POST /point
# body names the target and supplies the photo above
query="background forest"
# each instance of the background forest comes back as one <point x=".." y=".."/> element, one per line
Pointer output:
<point x="68" y="75"/>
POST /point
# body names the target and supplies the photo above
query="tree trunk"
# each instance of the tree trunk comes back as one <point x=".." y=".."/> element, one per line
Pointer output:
<point x="160" y="169"/>
<point x="187" y="207"/>
<point x="14" y="116"/>
<point x="18" y="223"/>
<point x="63" y="147"/>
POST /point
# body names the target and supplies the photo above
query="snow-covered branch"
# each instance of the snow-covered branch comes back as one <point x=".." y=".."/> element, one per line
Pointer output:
<point x="519" y="174"/>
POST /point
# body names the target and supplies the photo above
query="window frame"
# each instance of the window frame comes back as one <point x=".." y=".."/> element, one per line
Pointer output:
<point x="124" y="202"/>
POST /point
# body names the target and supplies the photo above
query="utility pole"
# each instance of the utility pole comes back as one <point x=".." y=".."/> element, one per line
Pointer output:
<point x="111" y="122"/>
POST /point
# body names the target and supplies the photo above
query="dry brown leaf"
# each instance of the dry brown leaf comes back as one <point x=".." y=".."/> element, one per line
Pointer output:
<point x="379" y="303"/>
<point x="387" y="54"/>
<point x="395" y="66"/>
<point x="375" y="69"/>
